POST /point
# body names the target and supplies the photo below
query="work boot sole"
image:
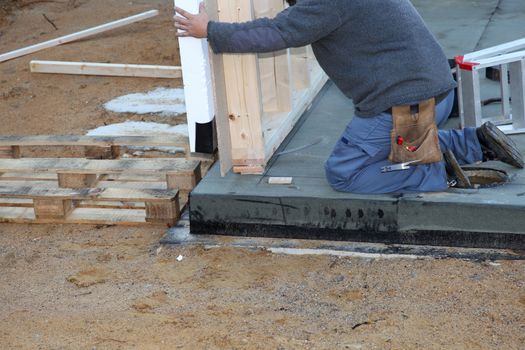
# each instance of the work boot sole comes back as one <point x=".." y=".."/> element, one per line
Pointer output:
<point x="503" y="148"/>
<point x="462" y="180"/>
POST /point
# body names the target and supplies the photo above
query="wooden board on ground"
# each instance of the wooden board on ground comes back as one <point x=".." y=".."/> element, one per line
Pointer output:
<point x="106" y="69"/>
<point x="78" y="35"/>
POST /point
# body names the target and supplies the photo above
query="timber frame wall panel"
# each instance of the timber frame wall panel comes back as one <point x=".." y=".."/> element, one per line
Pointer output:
<point x="258" y="97"/>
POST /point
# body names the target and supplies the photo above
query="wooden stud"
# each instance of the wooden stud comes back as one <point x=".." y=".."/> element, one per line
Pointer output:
<point x="243" y="89"/>
<point x="52" y="208"/>
<point x="79" y="35"/>
<point x="68" y="180"/>
<point x="166" y="212"/>
<point x="106" y="69"/>
<point x="220" y="99"/>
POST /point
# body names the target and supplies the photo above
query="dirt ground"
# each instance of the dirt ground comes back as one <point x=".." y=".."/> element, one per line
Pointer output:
<point x="100" y="287"/>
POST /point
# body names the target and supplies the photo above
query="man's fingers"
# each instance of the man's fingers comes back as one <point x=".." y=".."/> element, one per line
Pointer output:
<point x="180" y="26"/>
<point x="181" y="20"/>
<point x="183" y="12"/>
<point x="182" y="34"/>
<point x="202" y="7"/>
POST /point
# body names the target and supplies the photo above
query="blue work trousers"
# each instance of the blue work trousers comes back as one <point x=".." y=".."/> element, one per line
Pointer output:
<point x="356" y="161"/>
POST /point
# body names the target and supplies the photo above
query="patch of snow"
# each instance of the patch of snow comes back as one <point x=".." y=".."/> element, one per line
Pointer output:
<point x="163" y="101"/>
<point x="131" y="128"/>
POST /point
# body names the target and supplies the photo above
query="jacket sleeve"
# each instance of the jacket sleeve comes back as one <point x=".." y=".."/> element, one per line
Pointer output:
<point x="298" y="25"/>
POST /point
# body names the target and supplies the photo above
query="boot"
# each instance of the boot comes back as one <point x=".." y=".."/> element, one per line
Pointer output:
<point x="456" y="176"/>
<point x="498" y="146"/>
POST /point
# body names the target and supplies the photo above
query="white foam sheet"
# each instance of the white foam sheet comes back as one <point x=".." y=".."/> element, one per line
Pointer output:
<point x="163" y="101"/>
<point x="131" y="128"/>
<point x="196" y="73"/>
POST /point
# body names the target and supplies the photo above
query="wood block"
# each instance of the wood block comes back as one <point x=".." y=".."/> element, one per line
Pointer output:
<point x="280" y="180"/>
<point x="52" y="208"/>
<point x="9" y="152"/>
<point x="183" y="181"/>
<point x="94" y="152"/>
<point x="116" y="151"/>
<point x="165" y="212"/>
<point x="15" y="151"/>
<point x="66" y="180"/>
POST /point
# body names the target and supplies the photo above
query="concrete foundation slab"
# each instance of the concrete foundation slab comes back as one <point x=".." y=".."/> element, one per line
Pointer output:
<point x="247" y="205"/>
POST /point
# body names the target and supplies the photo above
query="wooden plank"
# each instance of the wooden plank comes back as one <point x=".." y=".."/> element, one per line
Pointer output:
<point x="100" y="166"/>
<point x="99" y="141"/>
<point x="136" y="184"/>
<point x="106" y="69"/>
<point x="93" y="216"/>
<point x="16" y="202"/>
<point x="78" y="35"/>
<point x="220" y="100"/>
<point x="242" y="90"/>
<point x="25" y="176"/>
<point x="99" y="194"/>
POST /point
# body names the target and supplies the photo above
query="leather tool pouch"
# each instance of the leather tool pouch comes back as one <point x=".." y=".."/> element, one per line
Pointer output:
<point x="414" y="135"/>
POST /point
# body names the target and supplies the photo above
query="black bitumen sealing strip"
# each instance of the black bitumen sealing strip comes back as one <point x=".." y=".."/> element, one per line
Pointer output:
<point x="491" y="240"/>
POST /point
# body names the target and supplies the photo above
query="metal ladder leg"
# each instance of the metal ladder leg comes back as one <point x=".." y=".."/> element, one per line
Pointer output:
<point x="470" y="99"/>
<point x="505" y="92"/>
<point x="517" y="87"/>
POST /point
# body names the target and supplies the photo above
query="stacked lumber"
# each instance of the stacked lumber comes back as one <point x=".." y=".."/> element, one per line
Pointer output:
<point x="128" y="191"/>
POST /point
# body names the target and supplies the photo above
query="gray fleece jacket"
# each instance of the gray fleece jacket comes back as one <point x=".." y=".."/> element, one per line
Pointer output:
<point x="378" y="52"/>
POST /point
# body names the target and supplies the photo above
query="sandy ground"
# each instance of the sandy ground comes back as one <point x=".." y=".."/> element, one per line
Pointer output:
<point x="99" y="287"/>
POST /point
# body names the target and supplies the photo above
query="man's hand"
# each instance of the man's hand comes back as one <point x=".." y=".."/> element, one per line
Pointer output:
<point x="192" y="25"/>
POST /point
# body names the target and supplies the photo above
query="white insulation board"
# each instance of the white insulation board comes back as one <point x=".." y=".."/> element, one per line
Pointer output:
<point x="197" y="79"/>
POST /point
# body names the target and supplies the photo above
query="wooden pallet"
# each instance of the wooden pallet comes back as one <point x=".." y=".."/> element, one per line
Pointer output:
<point x="108" y="191"/>
<point x="27" y="204"/>
<point x="94" y="147"/>
<point x="97" y="189"/>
